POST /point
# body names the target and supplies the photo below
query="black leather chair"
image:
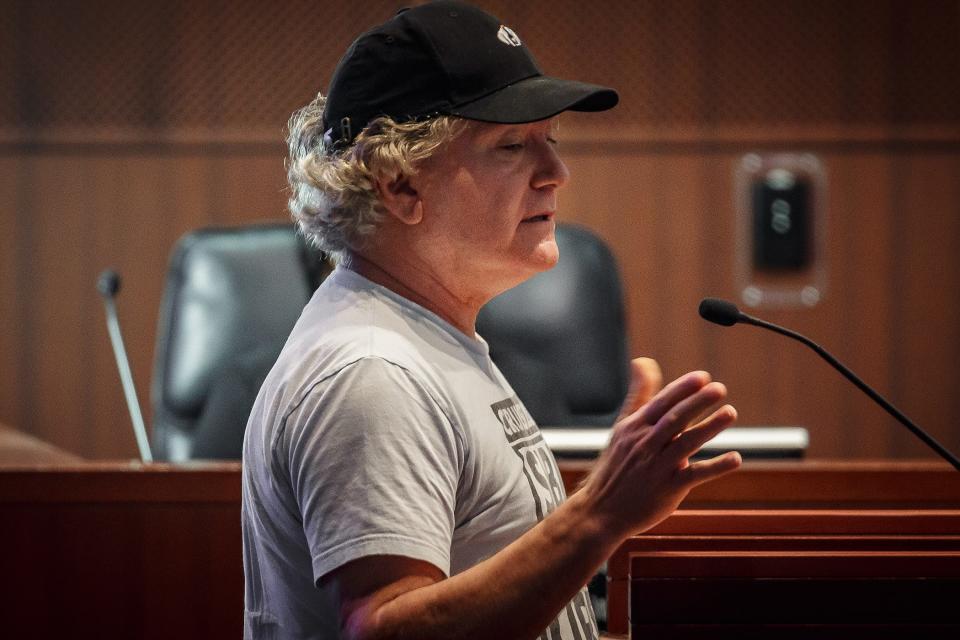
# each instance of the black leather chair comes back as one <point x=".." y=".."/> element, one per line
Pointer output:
<point x="560" y="338"/>
<point x="231" y="297"/>
<point x="233" y="294"/>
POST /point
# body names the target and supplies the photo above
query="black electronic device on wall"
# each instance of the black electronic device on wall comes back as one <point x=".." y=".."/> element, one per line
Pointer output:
<point x="781" y="229"/>
<point x="781" y="224"/>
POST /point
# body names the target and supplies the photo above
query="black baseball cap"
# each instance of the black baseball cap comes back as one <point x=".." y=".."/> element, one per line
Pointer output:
<point x="448" y="58"/>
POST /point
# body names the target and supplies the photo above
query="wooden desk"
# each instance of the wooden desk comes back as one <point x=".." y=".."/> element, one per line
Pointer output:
<point x="121" y="550"/>
<point x="792" y="484"/>
<point x="154" y="551"/>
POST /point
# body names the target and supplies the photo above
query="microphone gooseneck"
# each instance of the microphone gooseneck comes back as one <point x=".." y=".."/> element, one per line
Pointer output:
<point x="726" y="313"/>
<point x="108" y="284"/>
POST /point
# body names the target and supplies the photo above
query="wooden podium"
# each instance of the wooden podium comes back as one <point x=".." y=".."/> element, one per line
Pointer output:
<point x="799" y="550"/>
<point x="803" y="573"/>
<point x="796" y="549"/>
<point x="129" y="550"/>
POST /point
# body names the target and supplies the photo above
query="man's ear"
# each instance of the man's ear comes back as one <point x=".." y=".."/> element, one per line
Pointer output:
<point x="400" y="199"/>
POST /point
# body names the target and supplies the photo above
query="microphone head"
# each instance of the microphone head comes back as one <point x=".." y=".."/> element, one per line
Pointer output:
<point x="719" y="312"/>
<point x="108" y="284"/>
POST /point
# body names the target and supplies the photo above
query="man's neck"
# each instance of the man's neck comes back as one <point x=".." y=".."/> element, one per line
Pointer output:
<point x="419" y="286"/>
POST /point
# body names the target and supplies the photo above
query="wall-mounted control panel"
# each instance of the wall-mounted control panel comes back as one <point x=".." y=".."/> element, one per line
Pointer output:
<point x="781" y="220"/>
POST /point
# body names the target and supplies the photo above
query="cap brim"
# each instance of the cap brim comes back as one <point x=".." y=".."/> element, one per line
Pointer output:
<point x="537" y="98"/>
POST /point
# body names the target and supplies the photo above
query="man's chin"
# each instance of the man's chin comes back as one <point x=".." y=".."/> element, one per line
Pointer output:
<point x="547" y="255"/>
<point x="535" y="263"/>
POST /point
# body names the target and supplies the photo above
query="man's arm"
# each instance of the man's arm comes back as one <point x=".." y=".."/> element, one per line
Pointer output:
<point x="640" y="479"/>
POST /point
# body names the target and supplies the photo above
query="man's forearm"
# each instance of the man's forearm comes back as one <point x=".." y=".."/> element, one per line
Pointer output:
<point x="513" y="594"/>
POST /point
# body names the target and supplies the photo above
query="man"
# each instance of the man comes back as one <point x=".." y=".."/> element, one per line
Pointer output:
<point x="382" y="496"/>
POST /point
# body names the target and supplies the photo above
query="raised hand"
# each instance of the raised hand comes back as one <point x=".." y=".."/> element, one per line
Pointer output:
<point x="644" y="473"/>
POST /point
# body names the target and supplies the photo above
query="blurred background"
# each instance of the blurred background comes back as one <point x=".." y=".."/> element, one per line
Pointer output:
<point x="125" y="124"/>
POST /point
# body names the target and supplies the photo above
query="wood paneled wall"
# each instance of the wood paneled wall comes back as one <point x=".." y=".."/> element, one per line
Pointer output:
<point x="133" y="123"/>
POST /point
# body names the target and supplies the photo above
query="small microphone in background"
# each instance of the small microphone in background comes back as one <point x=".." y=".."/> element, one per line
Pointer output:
<point x="720" y="312"/>
<point x="726" y="314"/>
<point x="108" y="284"/>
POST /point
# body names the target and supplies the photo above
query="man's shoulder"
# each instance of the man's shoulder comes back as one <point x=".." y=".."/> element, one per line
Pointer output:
<point x="350" y="318"/>
<point x="353" y="332"/>
<point x="331" y="346"/>
<point x="358" y="348"/>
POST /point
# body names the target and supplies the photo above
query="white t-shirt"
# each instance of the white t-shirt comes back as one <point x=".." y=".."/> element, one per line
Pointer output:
<point x="382" y="429"/>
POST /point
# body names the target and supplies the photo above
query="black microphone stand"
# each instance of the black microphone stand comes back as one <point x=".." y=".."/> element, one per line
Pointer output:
<point x="727" y="314"/>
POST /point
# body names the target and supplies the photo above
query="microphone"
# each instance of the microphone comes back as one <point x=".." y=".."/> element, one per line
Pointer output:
<point x="726" y="313"/>
<point x="108" y="284"/>
<point x="720" y="312"/>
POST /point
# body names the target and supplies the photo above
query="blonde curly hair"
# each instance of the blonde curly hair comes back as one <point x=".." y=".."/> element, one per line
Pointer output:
<point x="333" y="191"/>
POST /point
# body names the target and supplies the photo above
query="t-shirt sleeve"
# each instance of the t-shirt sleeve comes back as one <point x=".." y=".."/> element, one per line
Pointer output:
<point x="373" y="463"/>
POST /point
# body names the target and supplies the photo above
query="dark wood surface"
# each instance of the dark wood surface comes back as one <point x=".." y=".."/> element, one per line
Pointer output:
<point x="121" y="550"/>
<point x="852" y="591"/>
<point x="133" y="550"/>
<point x="618" y="567"/>
<point x="824" y="543"/>
<point x="809" y="483"/>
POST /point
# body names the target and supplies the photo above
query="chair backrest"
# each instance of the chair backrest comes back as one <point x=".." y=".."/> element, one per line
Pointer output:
<point x="560" y="338"/>
<point x="230" y="300"/>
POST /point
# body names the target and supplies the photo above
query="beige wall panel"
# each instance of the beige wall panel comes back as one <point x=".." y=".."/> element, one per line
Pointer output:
<point x="56" y="336"/>
<point x="615" y="196"/>
<point x="927" y="308"/>
<point x="254" y="189"/>
<point x="110" y="225"/>
<point x="679" y="243"/>
<point x="861" y="221"/>
<point x="11" y="334"/>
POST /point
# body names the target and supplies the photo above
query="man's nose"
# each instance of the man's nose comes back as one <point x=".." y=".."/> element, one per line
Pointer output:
<point x="551" y="170"/>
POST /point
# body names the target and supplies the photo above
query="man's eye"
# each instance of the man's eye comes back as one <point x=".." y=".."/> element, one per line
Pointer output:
<point x="512" y="146"/>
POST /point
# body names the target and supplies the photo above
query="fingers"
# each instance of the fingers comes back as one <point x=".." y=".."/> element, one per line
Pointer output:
<point x="651" y="446"/>
<point x="686" y="411"/>
<point x="689" y="441"/>
<point x="681" y="388"/>
<point x="706" y="470"/>
<point x="646" y="379"/>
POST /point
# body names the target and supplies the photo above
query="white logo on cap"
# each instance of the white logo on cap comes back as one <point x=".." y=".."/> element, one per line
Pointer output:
<point x="506" y="35"/>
